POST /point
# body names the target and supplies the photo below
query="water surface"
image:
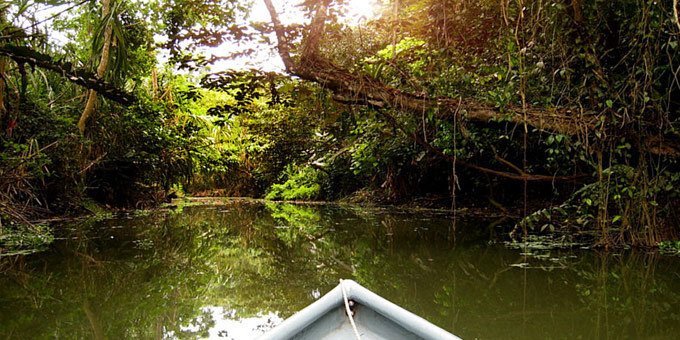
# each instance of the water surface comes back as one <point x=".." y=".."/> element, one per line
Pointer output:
<point x="234" y="270"/>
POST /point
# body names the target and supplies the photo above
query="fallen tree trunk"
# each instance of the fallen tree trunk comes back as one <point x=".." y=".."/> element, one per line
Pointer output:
<point x="366" y="90"/>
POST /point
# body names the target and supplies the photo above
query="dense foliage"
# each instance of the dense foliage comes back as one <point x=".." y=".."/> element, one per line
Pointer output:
<point x="569" y="108"/>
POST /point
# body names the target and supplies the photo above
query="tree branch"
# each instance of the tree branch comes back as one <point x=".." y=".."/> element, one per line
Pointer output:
<point x="521" y="176"/>
<point x="282" y="41"/>
<point x="675" y="13"/>
<point x="89" y="80"/>
<point x="316" y="29"/>
<point x="354" y="88"/>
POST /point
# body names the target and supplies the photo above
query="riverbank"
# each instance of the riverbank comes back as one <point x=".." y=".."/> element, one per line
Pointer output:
<point x="35" y="236"/>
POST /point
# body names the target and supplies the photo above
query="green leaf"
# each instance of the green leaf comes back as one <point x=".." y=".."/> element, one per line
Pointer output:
<point x="550" y="140"/>
<point x="610" y="103"/>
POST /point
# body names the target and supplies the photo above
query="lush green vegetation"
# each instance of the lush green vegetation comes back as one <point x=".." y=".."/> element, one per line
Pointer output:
<point x="563" y="115"/>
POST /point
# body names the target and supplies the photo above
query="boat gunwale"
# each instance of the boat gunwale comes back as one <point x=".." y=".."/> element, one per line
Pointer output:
<point x="334" y="299"/>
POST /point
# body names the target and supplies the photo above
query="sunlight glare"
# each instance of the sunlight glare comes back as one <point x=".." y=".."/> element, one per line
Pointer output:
<point x="356" y="13"/>
<point x="361" y="10"/>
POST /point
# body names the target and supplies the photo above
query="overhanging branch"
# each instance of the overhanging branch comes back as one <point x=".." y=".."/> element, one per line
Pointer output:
<point x="25" y="55"/>
<point x="354" y="88"/>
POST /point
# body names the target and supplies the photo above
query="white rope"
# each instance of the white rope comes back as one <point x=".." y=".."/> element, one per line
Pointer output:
<point x="348" y="310"/>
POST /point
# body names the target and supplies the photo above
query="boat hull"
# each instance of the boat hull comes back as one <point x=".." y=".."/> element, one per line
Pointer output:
<point x="374" y="317"/>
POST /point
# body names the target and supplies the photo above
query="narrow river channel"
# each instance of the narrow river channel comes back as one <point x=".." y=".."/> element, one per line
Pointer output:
<point x="235" y="269"/>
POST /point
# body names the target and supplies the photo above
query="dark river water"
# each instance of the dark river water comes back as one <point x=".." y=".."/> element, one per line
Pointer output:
<point x="234" y="270"/>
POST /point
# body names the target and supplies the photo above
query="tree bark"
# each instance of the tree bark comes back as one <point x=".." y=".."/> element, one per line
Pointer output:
<point x="3" y="76"/>
<point x="675" y="13"/>
<point x="101" y="69"/>
<point x="578" y="12"/>
<point x="282" y="40"/>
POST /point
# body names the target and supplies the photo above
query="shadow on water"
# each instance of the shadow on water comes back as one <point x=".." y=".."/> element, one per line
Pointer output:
<point x="233" y="270"/>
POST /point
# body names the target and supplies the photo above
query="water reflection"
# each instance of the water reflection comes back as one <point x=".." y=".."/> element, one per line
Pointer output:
<point x="226" y="325"/>
<point x="234" y="270"/>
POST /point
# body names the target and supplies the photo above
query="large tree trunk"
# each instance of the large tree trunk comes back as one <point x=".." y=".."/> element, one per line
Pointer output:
<point x="101" y="69"/>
